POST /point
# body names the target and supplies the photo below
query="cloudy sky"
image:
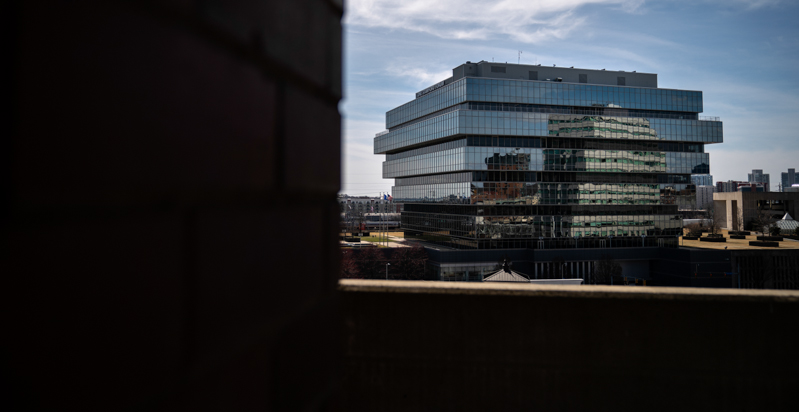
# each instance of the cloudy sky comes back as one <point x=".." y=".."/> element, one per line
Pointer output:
<point x="742" y="54"/>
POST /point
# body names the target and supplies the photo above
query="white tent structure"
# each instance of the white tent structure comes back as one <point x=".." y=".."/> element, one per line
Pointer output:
<point x="506" y="275"/>
<point x="787" y="224"/>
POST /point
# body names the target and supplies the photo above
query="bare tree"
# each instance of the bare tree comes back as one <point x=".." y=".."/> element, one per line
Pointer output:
<point x="371" y="263"/>
<point x="762" y="221"/>
<point x="694" y="230"/>
<point x="409" y="263"/>
<point x="349" y="266"/>
<point x="714" y="223"/>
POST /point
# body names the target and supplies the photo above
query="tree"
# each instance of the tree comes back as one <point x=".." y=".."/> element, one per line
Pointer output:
<point x="694" y="230"/>
<point x="349" y="266"/>
<point x="371" y="263"/>
<point x="606" y="269"/>
<point x="714" y="223"/>
<point x="762" y="221"/>
<point x="774" y="230"/>
<point x="409" y="263"/>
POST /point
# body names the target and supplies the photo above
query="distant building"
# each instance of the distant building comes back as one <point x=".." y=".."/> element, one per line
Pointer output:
<point x="729" y="205"/>
<point x="752" y="187"/>
<point x="757" y="176"/>
<point x="366" y="204"/>
<point x="702" y="180"/>
<point x="555" y="166"/>
<point x="789" y="179"/>
<point x="704" y="196"/>
<point x="738" y="186"/>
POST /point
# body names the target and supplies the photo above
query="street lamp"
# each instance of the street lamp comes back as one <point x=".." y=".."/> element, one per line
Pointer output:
<point x="387" y="265"/>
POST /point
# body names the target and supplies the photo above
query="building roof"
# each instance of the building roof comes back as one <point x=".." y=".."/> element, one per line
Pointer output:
<point x="506" y="275"/>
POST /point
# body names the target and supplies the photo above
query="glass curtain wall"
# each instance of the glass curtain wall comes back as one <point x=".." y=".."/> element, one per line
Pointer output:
<point x="501" y="163"/>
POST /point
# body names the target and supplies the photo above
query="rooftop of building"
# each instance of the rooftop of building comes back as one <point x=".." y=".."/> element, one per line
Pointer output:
<point x="737" y="244"/>
<point x="571" y="74"/>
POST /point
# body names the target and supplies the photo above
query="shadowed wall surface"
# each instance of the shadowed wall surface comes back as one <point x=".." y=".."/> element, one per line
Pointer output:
<point x="163" y="163"/>
<point x="470" y="346"/>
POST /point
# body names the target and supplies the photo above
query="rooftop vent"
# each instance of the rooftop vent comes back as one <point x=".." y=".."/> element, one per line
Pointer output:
<point x="559" y="79"/>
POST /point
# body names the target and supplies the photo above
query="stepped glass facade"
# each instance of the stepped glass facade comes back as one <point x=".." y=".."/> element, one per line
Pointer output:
<point x="503" y="156"/>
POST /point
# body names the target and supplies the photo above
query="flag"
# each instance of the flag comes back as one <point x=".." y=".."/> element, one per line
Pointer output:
<point x="390" y="198"/>
<point x="385" y="197"/>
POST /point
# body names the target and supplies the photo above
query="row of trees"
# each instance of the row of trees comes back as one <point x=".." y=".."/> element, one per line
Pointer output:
<point x="406" y="263"/>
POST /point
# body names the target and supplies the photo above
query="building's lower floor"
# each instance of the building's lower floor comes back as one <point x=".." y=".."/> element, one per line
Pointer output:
<point x="647" y="266"/>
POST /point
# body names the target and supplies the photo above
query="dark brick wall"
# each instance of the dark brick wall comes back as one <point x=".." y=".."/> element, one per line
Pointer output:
<point x="169" y="186"/>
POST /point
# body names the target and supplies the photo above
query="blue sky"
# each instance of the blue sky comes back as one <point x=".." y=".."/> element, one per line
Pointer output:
<point x="742" y="54"/>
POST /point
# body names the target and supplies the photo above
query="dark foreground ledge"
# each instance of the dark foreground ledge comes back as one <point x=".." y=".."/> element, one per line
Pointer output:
<point x="473" y="346"/>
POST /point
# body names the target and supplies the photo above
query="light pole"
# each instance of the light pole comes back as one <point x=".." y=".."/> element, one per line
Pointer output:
<point x="387" y="265"/>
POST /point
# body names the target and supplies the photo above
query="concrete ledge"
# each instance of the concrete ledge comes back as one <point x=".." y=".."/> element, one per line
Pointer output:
<point x="477" y="346"/>
<point x="580" y="292"/>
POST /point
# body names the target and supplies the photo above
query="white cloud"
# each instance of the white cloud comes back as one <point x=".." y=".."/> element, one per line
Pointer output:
<point x="420" y="76"/>
<point x="748" y="4"/>
<point x="519" y="20"/>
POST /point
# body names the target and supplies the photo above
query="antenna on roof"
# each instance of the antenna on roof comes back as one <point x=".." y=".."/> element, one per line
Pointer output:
<point x="520" y="58"/>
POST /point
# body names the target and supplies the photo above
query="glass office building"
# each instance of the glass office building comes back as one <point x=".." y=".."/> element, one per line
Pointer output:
<point x="515" y="156"/>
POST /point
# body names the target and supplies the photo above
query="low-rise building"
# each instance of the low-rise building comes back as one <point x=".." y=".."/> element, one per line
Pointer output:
<point x="729" y="205"/>
<point x="735" y="186"/>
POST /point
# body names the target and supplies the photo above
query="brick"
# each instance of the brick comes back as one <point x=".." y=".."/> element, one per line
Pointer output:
<point x="300" y="34"/>
<point x="312" y="157"/>
<point x="100" y="306"/>
<point x="141" y="113"/>
<point x="257" y="269"/>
